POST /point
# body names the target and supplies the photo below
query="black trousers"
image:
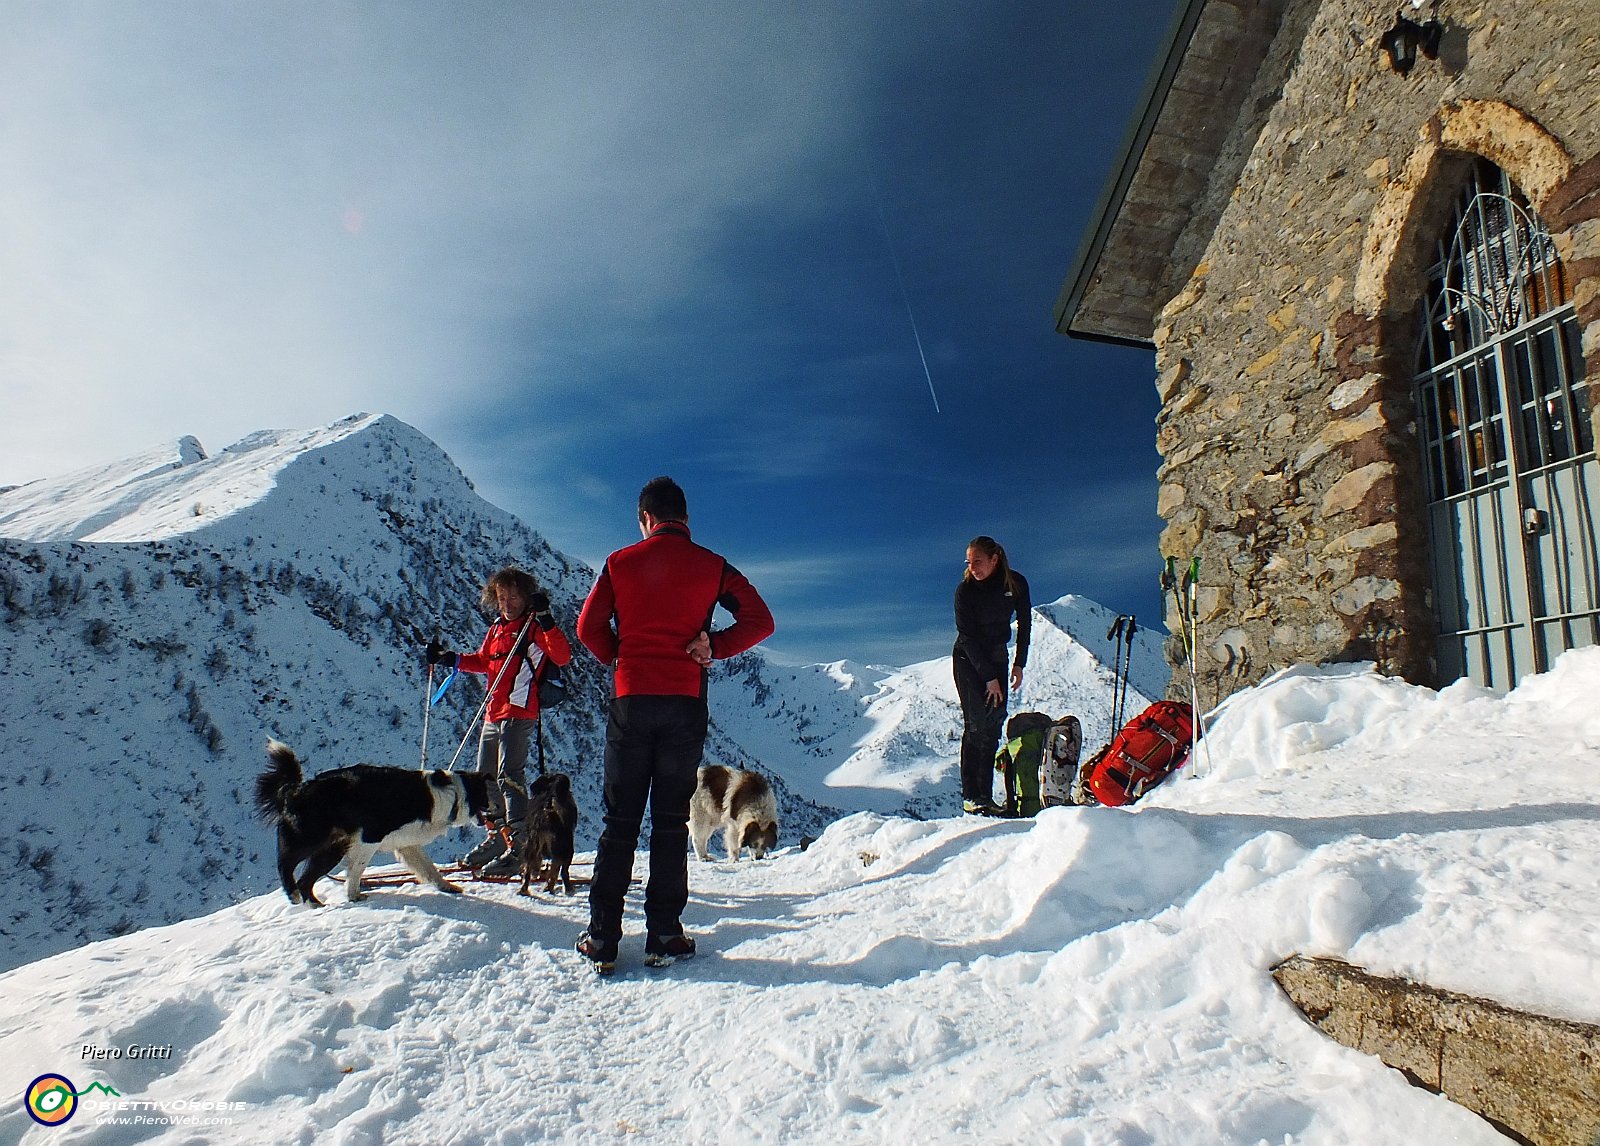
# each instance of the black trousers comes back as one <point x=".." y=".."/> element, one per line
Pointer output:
<point x="653" y="747"/>
<point x="980" y="734"/>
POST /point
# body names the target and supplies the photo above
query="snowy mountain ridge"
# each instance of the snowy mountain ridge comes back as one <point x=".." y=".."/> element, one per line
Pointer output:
<point x="166" y="613"/>
<point x="170" y="489"/>
<point x="281" y="587"/>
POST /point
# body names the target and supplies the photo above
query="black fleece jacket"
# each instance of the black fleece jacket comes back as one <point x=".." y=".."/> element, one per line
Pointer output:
<point x="983" y="622"/>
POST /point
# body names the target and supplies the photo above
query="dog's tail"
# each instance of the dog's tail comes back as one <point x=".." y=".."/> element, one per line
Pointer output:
<point x="274" y="786"/>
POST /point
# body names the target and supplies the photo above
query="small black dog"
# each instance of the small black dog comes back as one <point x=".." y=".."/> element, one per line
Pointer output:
<point x="552" y="820"/>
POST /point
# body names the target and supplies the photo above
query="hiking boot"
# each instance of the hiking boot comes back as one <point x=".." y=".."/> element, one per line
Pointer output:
<point x="492" y="848"/>
<point x="506" y="866"/>
<point x="666" y="952"/>
<point x="602" y="956"/>
<point x="981" y="808"/>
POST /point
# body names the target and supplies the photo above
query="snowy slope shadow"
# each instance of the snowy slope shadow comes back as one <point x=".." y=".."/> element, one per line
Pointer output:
<point x="990" y="892"/>
<point x="1315" y="831"/>
<point x="920" y="898"/>
<point x="376" y="964"/>
<point x="168" y="1029"/>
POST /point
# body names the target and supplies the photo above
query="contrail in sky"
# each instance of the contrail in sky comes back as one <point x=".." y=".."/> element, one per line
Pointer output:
<point x="905" y="298"/>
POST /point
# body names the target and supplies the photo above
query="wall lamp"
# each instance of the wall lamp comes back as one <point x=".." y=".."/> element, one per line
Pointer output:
<point x="1402" y="41"/>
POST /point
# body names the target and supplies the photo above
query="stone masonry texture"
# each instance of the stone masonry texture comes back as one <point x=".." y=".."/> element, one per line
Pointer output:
<point x="1291" y="465"/>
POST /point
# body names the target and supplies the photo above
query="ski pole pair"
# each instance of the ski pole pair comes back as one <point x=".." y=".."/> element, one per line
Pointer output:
<point x="1122" y="631"/>
<point x="1185" y="589"/>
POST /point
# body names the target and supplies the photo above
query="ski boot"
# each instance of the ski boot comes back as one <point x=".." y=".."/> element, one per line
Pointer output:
<point x="492" y="848"/>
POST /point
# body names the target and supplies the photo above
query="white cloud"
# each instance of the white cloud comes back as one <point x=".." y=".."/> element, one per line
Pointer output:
<point x="218" y="218"/>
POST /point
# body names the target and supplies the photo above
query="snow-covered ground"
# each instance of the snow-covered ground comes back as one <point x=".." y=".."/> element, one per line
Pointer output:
<point x="1096" y="977"/>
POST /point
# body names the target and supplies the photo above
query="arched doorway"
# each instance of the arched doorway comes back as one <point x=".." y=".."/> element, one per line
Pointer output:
<point x="1504" y="417"/>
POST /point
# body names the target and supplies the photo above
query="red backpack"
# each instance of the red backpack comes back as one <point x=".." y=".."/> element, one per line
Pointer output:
<point x="1148" y="749"/>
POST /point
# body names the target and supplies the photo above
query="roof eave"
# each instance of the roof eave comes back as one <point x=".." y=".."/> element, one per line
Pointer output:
<point x="1114" y="192"/>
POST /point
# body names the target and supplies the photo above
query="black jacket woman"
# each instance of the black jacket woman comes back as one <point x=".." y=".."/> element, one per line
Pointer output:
<point x="991" y="593"/>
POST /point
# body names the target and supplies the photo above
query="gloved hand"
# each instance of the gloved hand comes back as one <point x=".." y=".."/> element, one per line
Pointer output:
<point x="439" y="655"/>
<point x="539" y="602"/>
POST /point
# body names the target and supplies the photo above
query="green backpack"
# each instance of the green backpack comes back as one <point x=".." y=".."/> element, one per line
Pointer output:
<point x="1019" y="759"/>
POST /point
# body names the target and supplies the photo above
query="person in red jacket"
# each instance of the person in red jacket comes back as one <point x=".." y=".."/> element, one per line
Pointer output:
<point x="649" y="614"/>
<point x="524" y="634"/>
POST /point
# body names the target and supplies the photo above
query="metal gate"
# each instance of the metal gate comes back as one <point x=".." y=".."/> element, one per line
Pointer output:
<point x="1511" y="499"/>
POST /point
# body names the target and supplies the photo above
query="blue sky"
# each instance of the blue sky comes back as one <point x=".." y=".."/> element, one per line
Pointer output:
<point x="583" y="244"/>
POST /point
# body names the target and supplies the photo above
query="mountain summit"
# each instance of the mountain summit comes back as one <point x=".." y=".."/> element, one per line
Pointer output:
<point x="177" y="489"/>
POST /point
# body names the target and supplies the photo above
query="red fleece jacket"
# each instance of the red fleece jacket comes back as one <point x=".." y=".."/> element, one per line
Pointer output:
<point x="653" y="598"/>
<point x="515" y="698"/>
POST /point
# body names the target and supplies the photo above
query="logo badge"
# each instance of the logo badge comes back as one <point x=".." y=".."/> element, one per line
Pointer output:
<point x="51" y="1099"/>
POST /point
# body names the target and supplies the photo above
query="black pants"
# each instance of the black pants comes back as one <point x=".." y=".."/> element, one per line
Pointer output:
<point x="653" y="746"/>
<point x="980" y="734"/>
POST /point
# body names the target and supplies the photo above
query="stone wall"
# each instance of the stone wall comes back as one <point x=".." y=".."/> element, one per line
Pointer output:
<point x="1535" y="1078"/>
<point x="1291" y="463"/>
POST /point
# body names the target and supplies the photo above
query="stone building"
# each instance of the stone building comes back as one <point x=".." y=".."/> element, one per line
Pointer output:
<point x="1373" y="294"/>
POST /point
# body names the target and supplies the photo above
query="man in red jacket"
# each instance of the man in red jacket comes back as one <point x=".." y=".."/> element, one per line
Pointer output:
<point x="649" y="613"/>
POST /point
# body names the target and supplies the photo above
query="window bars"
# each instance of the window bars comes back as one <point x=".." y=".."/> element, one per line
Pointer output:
<point x="1511" y="500"/>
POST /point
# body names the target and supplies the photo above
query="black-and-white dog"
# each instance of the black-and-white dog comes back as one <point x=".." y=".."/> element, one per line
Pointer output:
<point x="741" y="804"/>
<point x="552" y="821"/>
<point x="353" y="813"/>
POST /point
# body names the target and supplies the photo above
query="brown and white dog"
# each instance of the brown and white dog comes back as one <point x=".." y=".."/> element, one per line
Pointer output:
<point x="552" y="820"/>
<point x="741" y="804"/>
<point x="353" y="813"/>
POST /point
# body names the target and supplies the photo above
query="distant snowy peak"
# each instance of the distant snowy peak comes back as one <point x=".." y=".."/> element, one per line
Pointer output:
<point x="73" y="506"/>
<point x="1090" y="624"/>
<point x="853" y="679"/>
<point x="851" y="736"/>
<point x="177" y="488"/>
